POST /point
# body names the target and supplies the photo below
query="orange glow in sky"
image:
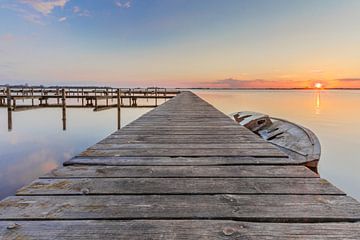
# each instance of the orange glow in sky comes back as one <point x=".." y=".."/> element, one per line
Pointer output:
<point x="318" y="85"/>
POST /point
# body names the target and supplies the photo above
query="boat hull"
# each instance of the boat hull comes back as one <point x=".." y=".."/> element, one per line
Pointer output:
<point x="300" y="143"/>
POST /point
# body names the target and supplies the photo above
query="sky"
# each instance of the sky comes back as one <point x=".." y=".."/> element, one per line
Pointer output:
<point x="181" y="43"/>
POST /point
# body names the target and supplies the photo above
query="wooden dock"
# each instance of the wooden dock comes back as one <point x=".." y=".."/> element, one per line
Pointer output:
<point x="25" y="98"/>
<point x="21" y="98"/>
<point x="181" y="171"/>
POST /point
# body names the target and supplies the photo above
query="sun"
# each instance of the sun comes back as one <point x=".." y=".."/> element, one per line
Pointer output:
<point x="318" y="85"/>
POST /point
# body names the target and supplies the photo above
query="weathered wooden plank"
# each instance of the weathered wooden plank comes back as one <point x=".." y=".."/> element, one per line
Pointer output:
<point x="182" y="113"/>
<point x="182" y="120"/>
<point x="181" y="132"/>
<point x="169" y="139"/>
<point x="149" y="122"/>
<point x="115" y="186"/>
<point x="159" y="127"/>
<point x="271" y="208"/>
<point x="206" y="137"/>
<point x="176" y="229"/>
<point x="180" y="161"/>
<point x="244" y="171"/>
<point x="114" y="146"/>
<point x="166" y="152"/>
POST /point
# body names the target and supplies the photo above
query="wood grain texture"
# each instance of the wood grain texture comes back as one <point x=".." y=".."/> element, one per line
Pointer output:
<point x="189" y="152"/>
<point x="242" y="171"/>
<point x="116" y="186"/>
<point x="177" y="229"/>
<point x="151" y="131"/>
<point x="189" y="139"/>
<point x="114" y="146"/>
<point x="180" y="161"/>
<point x="261" y="208"/>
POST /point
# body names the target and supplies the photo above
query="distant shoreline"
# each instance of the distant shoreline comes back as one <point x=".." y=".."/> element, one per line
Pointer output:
<point x="270" y="88"/>
<point x="153" y="87"/>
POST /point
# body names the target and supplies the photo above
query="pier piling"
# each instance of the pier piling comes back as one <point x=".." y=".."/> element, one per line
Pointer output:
<point x="9" y="109"/>
<point x="63" y="104"/>
<point x="118" y="109"/>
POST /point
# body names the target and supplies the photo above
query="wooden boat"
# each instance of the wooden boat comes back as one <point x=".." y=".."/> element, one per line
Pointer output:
<point x="300" y="143"/>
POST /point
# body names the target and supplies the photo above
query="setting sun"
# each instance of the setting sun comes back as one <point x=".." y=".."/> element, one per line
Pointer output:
<point x="318" y="85"/>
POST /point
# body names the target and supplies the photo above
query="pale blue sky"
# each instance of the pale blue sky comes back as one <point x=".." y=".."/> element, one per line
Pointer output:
<point x="180" y="42"/>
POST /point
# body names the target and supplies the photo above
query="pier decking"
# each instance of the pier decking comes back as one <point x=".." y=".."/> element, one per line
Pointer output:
<point x="181" y="171"/>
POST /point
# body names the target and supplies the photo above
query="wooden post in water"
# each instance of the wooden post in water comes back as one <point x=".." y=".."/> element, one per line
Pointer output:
<point x="156" y="97"/>
<point x="118" y="109"/>
<point x="121" y="100"/>
<point x="107" y="97"/>
<point x="46" y="98"/>
<point x="57" y="96"/>
<point x="9" y="110"/>
<point x="63" y="103"/>
<point x="32" y="96"/>
<point x="82" y="97"/>
<point x="14" y="103"/>
<point x="96" y="103"/>
<point x="130" y="97"/>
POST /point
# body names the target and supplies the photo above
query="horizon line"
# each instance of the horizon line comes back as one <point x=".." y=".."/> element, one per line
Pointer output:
<point x="192" y="88"/>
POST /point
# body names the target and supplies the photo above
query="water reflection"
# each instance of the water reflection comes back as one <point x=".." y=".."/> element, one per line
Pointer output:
<point x="9" y="114"/>
<point x="63" y="118"/>
<point x="37" y="144"/>
<point x="318" y="102"/>
<point x="334" y="116"/>
<point x="27" y="167"/>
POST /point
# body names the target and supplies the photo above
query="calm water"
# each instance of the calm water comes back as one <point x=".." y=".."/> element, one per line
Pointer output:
<point x="37" y="143"/>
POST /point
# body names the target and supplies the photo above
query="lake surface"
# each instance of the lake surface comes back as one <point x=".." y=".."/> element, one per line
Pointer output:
<point x="37" y="144"/>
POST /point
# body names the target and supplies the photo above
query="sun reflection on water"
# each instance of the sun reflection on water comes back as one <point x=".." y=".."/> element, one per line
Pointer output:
<point x="318" y="103"/>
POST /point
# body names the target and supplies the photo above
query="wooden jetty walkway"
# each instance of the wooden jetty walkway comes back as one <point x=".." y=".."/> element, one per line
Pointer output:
<point x="181" y="171"/>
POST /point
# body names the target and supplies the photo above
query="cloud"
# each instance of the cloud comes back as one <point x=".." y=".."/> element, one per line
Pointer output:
<point x="352" y="80"/>
<point x="34" y="10"/>
<point x="235" y="83"/>
<point x="62" y="19"/>
<point x="39" y="11"/>
<point x="257" y="83"/>
<point x="28" y="15"/>
<point x="80" y="12"/>
<point x="34" y="18"/>
<point x="8" y="37"/>
<point x="76" y="9"/>
<point x="120" y="4"/>
<point x="45" y="6"/>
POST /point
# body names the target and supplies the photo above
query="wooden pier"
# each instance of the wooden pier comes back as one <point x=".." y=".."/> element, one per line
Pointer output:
<point x="24" y="98"/>
<point x="98" y="98"/>
<point x="181" y="171"/>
